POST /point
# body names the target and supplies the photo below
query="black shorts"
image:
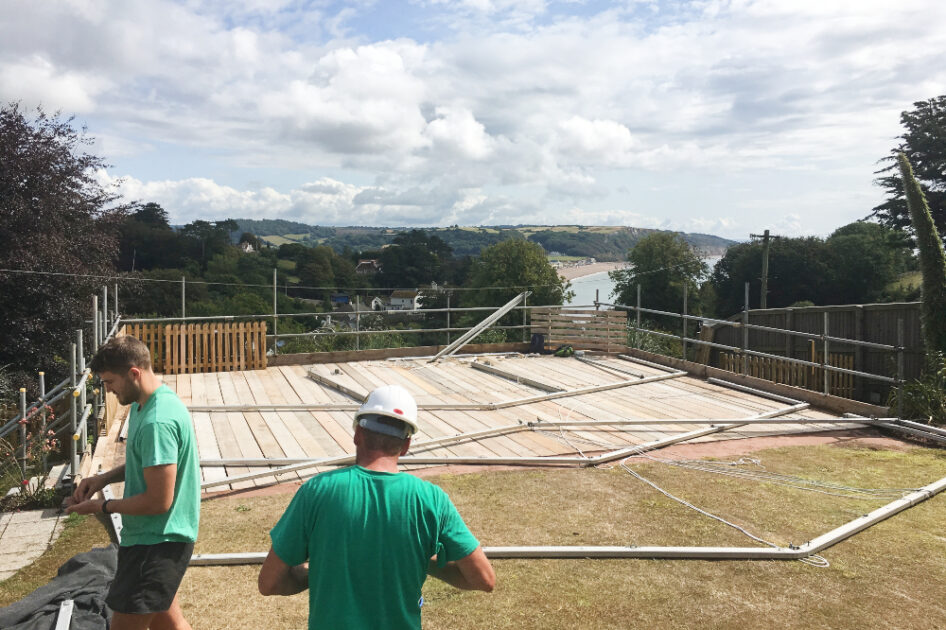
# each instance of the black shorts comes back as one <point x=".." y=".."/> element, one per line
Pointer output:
<point x="147" y="577"/>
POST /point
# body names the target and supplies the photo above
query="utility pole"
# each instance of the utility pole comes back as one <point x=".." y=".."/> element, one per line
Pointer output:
<point x="765" y="265"/>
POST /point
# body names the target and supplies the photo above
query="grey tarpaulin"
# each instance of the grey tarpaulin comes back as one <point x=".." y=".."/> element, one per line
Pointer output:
<point x="85" y="579"/>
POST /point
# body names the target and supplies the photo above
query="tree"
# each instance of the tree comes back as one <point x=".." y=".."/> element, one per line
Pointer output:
<point x="54" y="217"/>
<point x="932" y="262"/>
<point x="661" y="263"/>
<point x="147" y="240"/>
<point x="924" y="145"/>
<point x="508" y="268"/>
<point x="414" y="259"/>
<point x="864" y="259"/>
<point x="855" y="265"/>
<point x="206" y="239"/>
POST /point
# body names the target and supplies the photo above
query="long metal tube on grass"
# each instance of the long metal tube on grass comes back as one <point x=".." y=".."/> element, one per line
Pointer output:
<point x="810" y="548"/>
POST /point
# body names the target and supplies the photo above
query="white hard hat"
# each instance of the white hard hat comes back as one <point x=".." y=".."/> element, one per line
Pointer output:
<point x="391" y="401"/>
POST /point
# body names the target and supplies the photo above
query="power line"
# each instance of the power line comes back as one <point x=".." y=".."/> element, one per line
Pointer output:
<point x="264" y="286"/>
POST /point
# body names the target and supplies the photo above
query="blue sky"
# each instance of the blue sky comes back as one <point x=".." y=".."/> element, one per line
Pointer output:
<point x="726" y="117"/>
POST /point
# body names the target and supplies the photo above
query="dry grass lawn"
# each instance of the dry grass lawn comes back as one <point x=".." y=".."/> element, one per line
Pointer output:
<point x="890" y="576"/>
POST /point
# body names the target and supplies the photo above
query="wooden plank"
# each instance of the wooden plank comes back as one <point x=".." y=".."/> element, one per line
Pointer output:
<point x="229" y="447"/>
<point x="307" y="445"/>
<point x="207" y="446"/>
<point x="305" y="388"/>
<point x="340" y="382"/>
<point x="326" y="441"/>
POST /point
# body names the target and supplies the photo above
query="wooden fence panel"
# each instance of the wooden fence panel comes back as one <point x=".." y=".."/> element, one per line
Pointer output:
<point x="794" y="374"/>
<point x="207" y="347"/>
<point x="582" y="328"/>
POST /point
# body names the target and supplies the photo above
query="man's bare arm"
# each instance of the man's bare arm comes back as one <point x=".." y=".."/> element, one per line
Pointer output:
<point x="278" y="578"/>
<point x="156" y="499"/>
<point x="473" y="572"/>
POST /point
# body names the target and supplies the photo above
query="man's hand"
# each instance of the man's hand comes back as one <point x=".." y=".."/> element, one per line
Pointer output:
<point x="87" y="488"/>
<point x="86" y="507"/>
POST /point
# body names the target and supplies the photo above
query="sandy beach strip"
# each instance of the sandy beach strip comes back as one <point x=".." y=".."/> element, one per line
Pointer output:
<point x="578" y="271"/>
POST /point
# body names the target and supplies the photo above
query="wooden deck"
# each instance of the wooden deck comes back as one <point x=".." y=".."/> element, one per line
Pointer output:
<point x="320" y="433"/>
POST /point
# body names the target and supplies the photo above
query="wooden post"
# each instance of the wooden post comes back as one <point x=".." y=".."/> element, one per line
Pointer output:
<point x="858" y="352"/>
<point x="745" y="331"/>
<point x="683" y="337"/>
<point x="824" y="358"/>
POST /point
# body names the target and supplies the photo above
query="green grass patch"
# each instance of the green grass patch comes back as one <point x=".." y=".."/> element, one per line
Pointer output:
<point x="273" y="239"/>
<point x="286" y="265"/>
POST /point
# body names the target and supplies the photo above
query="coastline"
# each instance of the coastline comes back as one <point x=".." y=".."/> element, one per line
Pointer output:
<point x="579" y="271"/>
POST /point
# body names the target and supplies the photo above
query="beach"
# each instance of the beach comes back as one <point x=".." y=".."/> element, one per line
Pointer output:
<point x="579" y="271"/>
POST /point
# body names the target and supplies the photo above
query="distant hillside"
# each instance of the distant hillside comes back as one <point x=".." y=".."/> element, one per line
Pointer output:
<point x="601" y="242"/>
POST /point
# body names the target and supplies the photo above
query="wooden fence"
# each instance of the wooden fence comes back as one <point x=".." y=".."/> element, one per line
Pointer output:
<point x="789" y="373"/>
<point x="863" y="322"/>
<point x="588" y="329"/>
<point x="210" y="347"/>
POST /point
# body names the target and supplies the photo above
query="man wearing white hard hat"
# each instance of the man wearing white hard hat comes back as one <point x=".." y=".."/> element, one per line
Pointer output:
<point x="363" y="539"/>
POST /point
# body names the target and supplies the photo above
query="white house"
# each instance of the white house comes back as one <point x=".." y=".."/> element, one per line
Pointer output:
<point x="403" y="301"/>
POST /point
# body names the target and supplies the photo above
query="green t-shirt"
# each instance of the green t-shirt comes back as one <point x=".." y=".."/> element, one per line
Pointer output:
<point x="369" y="537"/>
<point x="160" y="433"/>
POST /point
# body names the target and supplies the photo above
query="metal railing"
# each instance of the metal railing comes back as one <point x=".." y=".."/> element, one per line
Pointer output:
<point x="78" y="413"/>
<point x="355" y="328"/>
<point x="825" y="338"/>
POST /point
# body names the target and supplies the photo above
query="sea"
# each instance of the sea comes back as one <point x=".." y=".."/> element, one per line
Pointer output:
<point x="587" y="287"/>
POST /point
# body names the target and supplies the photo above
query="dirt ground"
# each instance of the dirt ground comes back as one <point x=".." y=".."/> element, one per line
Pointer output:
<point x="720" y="449"/>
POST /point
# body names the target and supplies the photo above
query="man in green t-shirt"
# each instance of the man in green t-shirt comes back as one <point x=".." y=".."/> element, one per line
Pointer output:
<point x="363" y="539"/>
<point x="161" y="505"/>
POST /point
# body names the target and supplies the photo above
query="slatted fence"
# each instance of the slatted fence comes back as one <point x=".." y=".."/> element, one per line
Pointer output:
<point x="789" y="373"/>
<point x="208" y="347"/>
<point x="589" y="329"/>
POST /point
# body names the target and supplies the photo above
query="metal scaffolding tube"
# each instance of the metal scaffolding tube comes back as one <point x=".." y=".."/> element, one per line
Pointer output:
<point x="492" y="406"/>
<point x="585" y="390"/>
<point x="321" y="379"/>
<point x="649" y="446"/>
<point x="490" y="369"/>
<point x="64" y="616"/>
<point x="711" y="421"/>
<point x="629" y="358"/>
<point x="483" y="325"/>
<point x="607" y="368"/>
<point x="810" y="548"/>
<point x="342" y="460"/>
<point x="753" y="390"/>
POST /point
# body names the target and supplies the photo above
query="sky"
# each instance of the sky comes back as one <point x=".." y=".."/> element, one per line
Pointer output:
<point x="725" y="117"/>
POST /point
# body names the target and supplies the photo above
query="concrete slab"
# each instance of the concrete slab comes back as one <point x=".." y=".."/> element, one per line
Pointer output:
<point x="25" y="536"/>
<point x="36" y="530"/>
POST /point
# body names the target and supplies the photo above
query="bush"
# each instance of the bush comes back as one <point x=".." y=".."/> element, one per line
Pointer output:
<point x="39" y="444"/>
<point x="925" y="398"/>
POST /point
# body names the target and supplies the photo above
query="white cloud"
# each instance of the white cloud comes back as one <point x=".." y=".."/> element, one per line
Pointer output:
<point x="35" y="81"/>
<point x="493" y="109"/>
